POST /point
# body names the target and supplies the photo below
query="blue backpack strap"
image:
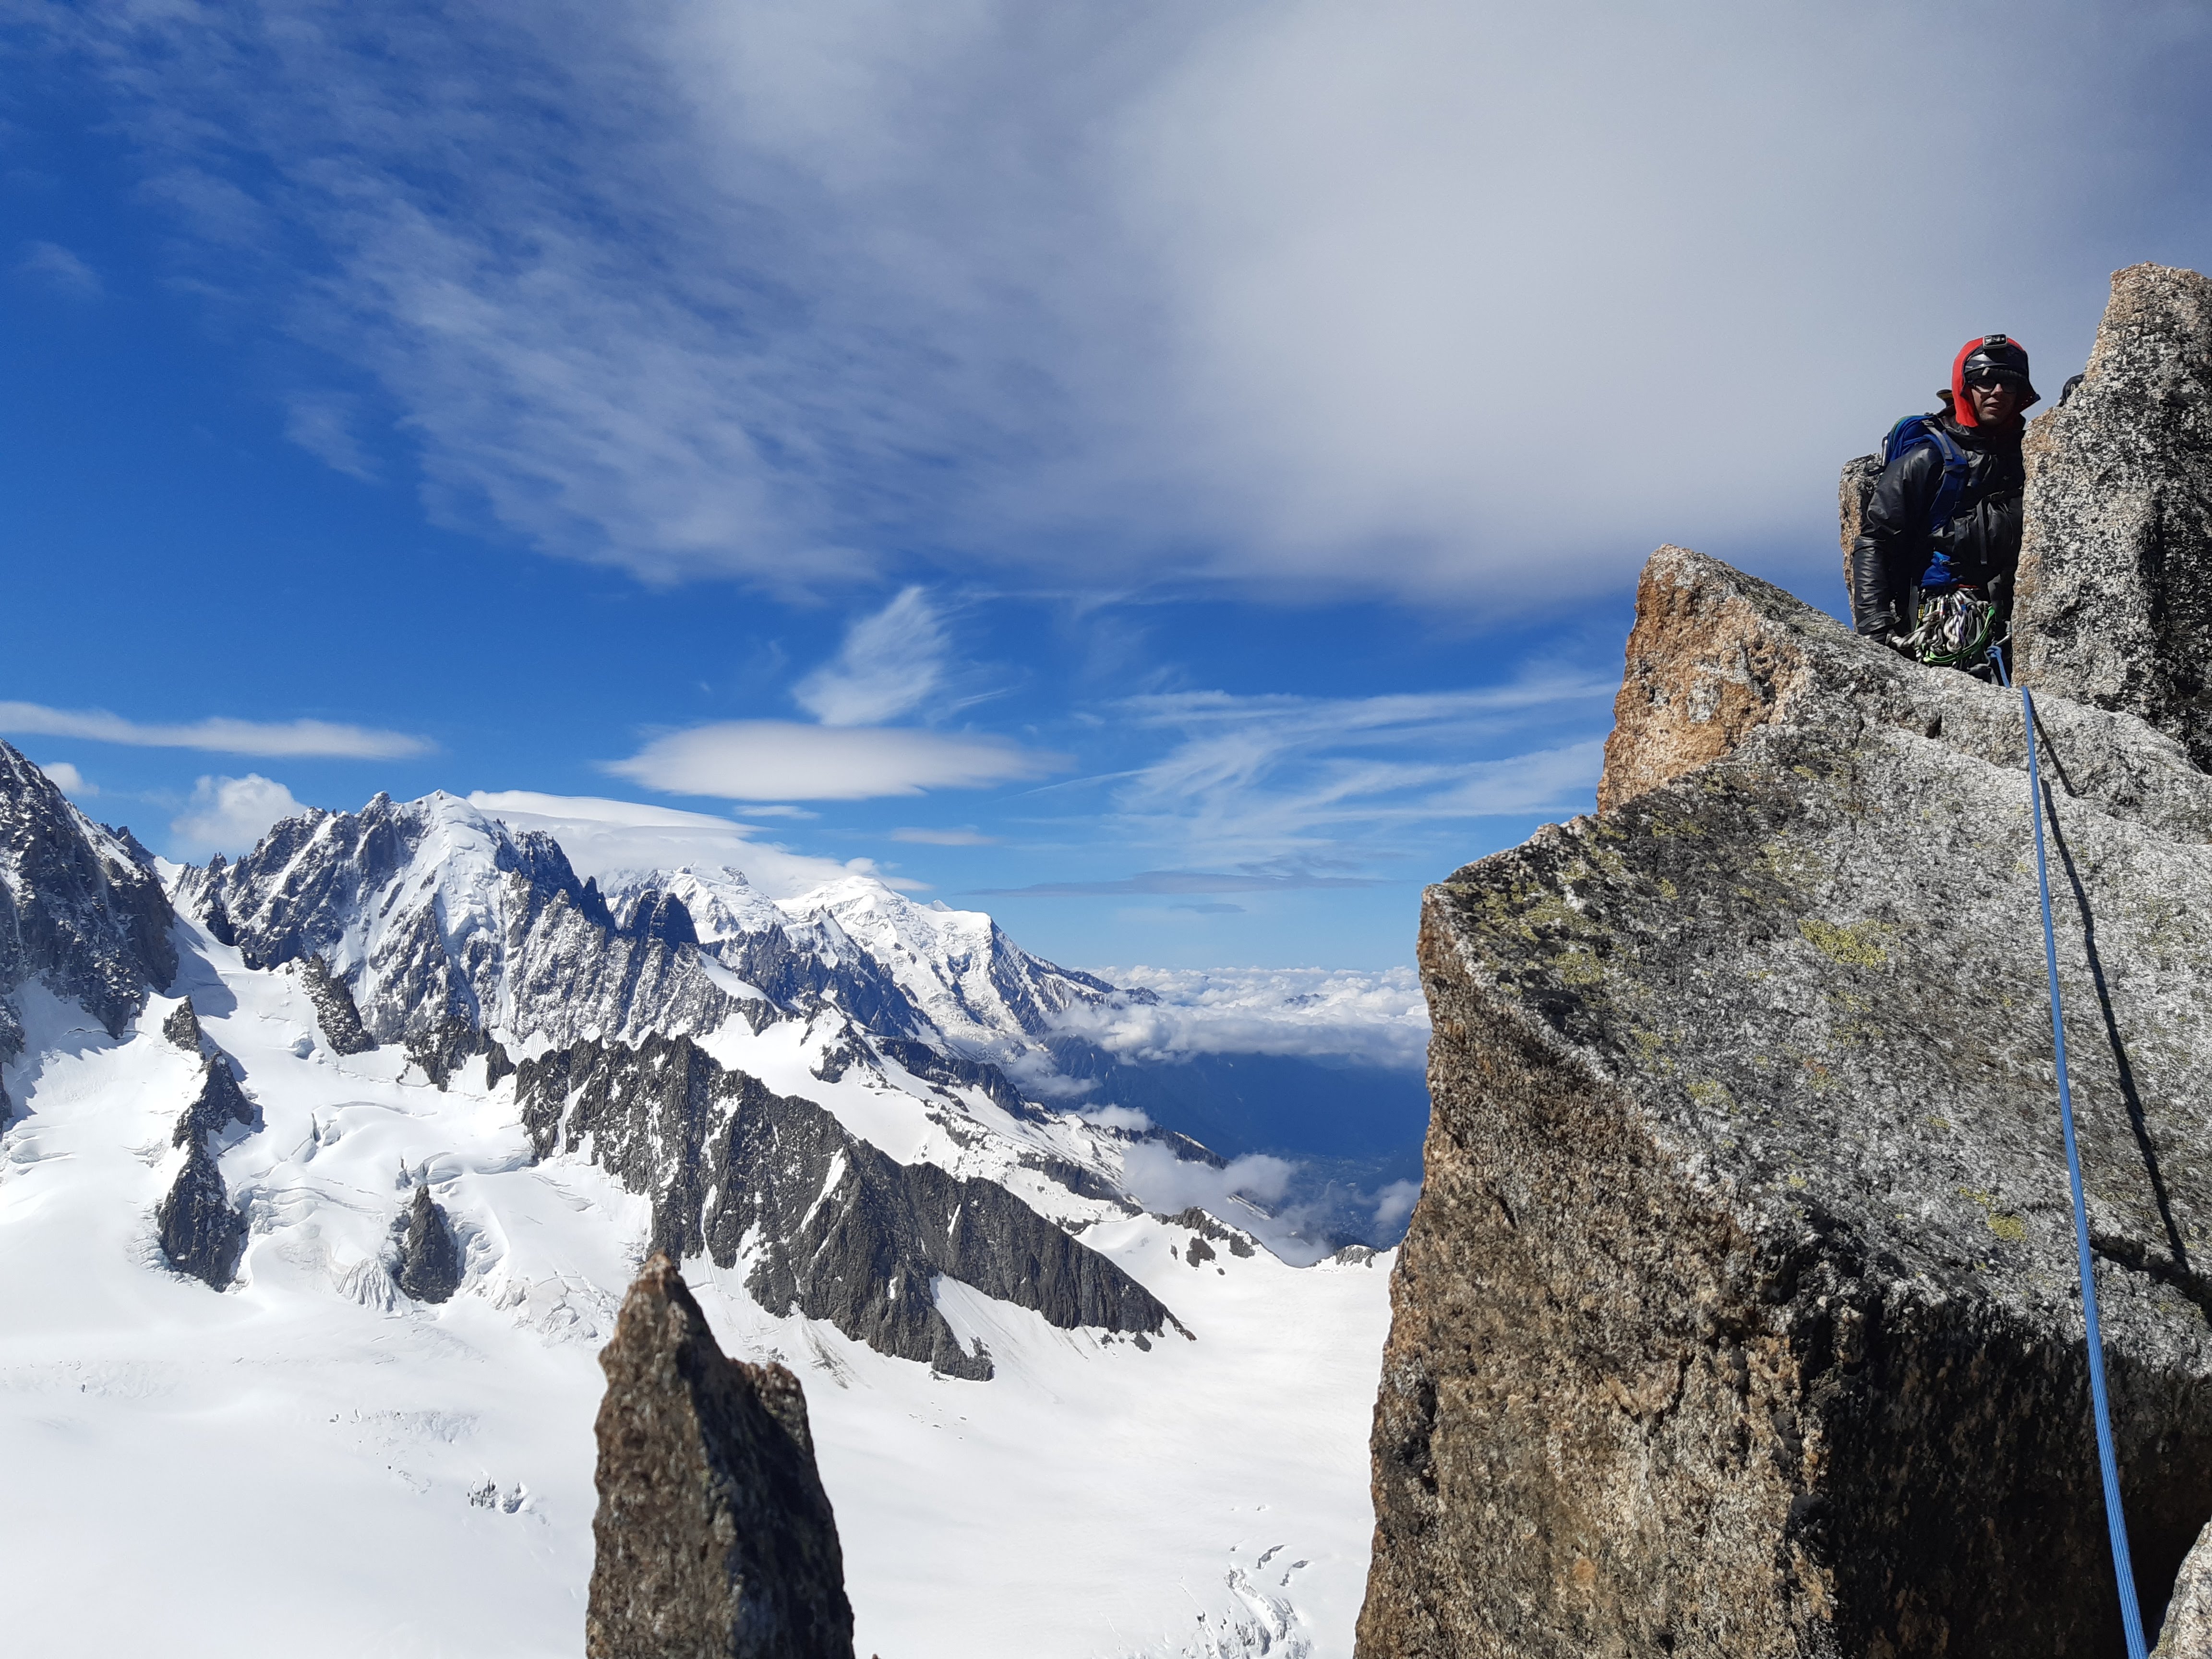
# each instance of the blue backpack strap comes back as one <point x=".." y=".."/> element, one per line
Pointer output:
<point x="1910" y="434"/>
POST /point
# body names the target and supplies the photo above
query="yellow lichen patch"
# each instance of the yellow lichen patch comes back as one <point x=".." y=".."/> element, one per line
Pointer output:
<point x="2006" y="1227"/>
<point x="1576" y="965"/>
<point x="1714" y="1095"/>
<point x="1858" y="946"/>
<point x="1667" y="890"/>
<point x="1794" y="1181"/>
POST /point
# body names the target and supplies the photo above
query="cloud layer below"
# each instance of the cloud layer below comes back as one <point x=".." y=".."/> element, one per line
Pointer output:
<point x="1374" y="1019"/>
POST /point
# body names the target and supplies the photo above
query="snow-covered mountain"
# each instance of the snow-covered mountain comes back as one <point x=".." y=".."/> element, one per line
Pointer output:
<point x="318" y="1192"/>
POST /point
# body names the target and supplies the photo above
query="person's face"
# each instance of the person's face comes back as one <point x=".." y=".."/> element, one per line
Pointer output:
<point x="1994" y="405"/>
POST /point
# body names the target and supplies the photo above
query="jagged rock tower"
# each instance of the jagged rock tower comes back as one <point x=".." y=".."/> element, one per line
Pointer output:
<point x="1737" y="1315"/>
<point x="715" y="1539"/>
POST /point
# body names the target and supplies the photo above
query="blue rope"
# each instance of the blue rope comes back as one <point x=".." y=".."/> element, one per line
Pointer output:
<point x="2131" y="1614"/>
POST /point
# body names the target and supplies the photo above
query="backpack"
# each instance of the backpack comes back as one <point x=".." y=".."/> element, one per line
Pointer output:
<point x="1909" y="434"/>
<point x="1860" y="476"/>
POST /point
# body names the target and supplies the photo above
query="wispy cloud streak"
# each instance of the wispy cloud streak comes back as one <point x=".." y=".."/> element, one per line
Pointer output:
<point x="302" y="738"/>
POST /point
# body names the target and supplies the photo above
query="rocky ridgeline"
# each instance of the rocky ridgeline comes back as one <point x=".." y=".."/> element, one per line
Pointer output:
<point x="428" y="924"/>
<point x="1738" y="1312"/>
<point x="839" y="1230"/>
<point x="715" y="1540"/>
<point x="79" y="911"/>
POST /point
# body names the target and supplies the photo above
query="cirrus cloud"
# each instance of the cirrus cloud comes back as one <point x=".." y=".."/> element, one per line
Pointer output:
<point x="783" y="761"/>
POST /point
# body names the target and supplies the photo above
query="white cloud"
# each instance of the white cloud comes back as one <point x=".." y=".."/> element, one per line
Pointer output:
<point x="890" y="663"/>
<point x="1394" y="1204"/>
<point x="969" y="836"/>
<point x="322" y="423"/>
<point x="67" y="779"/>
<point x="1160" y="1181"/>
<point x="780" y="760"/>
<point x="1418" y="297"/>
<point x="605" y="838"/>
<point x="61" y="270"/>
<point x="1273" y="783"/>
<point x="229" y="815"/>
<point x="271" y="737"/>
<point x="1373" y="1018"/>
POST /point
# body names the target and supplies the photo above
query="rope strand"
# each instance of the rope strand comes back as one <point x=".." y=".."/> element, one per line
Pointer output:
<point x="2108" y="1461"/>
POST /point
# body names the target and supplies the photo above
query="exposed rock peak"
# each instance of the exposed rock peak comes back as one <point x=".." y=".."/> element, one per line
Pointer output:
<point x="1737" y="1314"/>
<point x="2115" y="603"/>
<point x="77" y="911"/>
<point x="715" y="1540"/>
<point x="438" y="925"/>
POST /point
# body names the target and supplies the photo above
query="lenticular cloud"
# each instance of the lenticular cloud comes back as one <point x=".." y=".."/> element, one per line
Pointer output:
<point x="783" y="760"/>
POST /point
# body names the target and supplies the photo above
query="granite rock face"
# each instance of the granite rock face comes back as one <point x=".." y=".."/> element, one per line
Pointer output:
<point x="77" y="911"/>
<point x="1737" y="1315"/>
<point x="2115" y="605"/>
<point x="715" y="1540"/>
<point x="2188" y="1630"/>
<point x="838" y="1230"/>
<point x="430" y="1266"/>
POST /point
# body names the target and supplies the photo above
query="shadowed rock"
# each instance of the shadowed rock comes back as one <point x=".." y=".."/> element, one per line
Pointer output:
<point x="219" y="1103"/>
<point x="182" y="1028"/>
<point x="714" y="1538"/>
<point x="201" y="1233"/>
<point x="429" y="1256"/>
<point x="335" y="1012"/>
<point x="77" y="911"/>
<point x="2115" y="603"/>
<point x="1737" y="1313"/>
<point x="838" y="1230"/>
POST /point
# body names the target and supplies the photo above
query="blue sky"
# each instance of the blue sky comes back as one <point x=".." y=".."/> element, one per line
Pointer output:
<point x="1172" y="474"/>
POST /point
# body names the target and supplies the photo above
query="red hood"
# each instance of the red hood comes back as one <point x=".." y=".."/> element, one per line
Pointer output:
<point x="1962" y="406"/>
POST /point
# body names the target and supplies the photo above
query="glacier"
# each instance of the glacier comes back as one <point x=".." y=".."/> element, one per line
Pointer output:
<point x="1052" y="1421"/>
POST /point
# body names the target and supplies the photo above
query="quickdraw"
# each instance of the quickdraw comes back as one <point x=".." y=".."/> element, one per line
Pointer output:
<point x="1957" y="627"/>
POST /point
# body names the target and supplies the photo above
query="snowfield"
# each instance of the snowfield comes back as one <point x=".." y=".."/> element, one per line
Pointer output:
<point x="311" y="1463"/>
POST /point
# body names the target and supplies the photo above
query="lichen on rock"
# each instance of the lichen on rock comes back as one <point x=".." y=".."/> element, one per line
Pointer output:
<point x="1737" y="1313"/>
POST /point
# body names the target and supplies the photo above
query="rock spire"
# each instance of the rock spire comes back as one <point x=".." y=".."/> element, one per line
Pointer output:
<point x="714" y="1537"/>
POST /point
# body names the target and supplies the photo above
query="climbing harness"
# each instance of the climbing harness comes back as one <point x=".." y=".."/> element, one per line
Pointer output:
<point x="2130" y="1615"/>
<point x="1958" y="628"/>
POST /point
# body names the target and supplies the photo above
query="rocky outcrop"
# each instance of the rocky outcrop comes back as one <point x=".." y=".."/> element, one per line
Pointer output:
<point x="219" y="1103"/>
<point x="77" y="912"/>
<point x="335" y="1012"/>
<point x="2115" y="605"/>
<point x="182" y="1027"/>
<point x="835" y="1229"/>
<point x="1736" y="1315"/>
<point x="430" y="1265"/>
<point x="715" y="1540"/>
<point x="2188" y="1630"/>
<point x="201" y="1232"/>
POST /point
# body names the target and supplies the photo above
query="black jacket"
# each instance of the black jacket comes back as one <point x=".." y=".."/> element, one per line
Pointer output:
<point x="1981" y="540"/>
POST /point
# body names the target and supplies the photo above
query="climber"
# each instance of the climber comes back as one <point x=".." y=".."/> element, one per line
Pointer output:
<point x="1932" y="570"/>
